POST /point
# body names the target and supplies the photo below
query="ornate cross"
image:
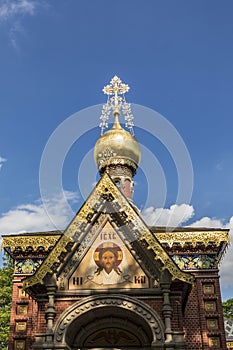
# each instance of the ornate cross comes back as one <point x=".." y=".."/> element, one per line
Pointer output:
<point x="117" y="89"/>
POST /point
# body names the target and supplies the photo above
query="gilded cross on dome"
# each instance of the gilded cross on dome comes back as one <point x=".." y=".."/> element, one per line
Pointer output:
<point x="116" y="104"/>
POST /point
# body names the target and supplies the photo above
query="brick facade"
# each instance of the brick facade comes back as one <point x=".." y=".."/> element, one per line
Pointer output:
<point x="200" y="318"/>
<point x="203" y="315"/>
<point x="24" y="318"/>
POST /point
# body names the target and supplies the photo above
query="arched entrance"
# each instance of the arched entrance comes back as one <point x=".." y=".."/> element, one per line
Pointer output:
<point x="116" y="322"/>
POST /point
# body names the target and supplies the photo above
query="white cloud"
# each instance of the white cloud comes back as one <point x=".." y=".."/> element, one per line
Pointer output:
<point x="15" y="29"/>
<point x="208" y="222"/>
<point x="174" y="216"/>
<point x="33" y="217"/>
<point x="2" y="160"/>
<point x="11" y="8"/>
<point x="12" y="12"/>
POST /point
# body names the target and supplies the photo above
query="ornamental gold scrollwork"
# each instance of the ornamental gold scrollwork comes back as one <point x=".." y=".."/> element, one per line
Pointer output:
<point x="106" y="184"/>
<point x="86" y="209"/>
<point x="168" y="263"/>
<point x="117" y="161"/>
<point x="33" y="241"/>
<point x="52" y="258"/>
<point x="193" y="237"/>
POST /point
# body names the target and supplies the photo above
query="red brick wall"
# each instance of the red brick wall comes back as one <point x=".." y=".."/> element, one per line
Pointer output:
<point x="193" y="332"/>
<point x="177" y="316"/>
<point x="203" y="311"/>
<point x="24" y="311"/>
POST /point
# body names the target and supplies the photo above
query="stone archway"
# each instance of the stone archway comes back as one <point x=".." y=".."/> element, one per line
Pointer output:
<point x="114" y="322"/>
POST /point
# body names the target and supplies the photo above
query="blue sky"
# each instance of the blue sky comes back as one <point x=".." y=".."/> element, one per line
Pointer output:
<point x="177" y="57"/>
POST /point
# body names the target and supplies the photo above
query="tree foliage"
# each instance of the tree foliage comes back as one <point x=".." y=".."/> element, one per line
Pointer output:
<point x="228" y="308"/>
<point x="6" y="277"/>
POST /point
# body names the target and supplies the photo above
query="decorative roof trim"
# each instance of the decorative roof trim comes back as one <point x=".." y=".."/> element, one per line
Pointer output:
<point x="60" y="247"/>
<point x="26" y="241"/>
<point x="193" y="237"/>
<point x="168" y="263"/>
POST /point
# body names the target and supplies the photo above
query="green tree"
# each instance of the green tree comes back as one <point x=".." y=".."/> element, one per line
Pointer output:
<point x="6" y="277"/>
<point x="228" y="308"/>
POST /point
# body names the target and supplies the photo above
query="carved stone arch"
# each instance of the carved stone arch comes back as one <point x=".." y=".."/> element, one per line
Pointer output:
<point x="88" y="323"/>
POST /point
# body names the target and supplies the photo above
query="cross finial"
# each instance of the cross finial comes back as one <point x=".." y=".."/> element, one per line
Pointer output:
<point x="116" y="103"/>
<point x="116" y="88"/>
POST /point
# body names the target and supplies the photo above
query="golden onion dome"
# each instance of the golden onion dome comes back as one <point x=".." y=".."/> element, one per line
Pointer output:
<point x="117" y="147"/>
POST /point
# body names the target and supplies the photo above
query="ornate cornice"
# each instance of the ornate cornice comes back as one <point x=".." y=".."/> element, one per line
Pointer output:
<point x="168" y="263"/>
<point x="52" y="259"/>
<point x="183" y="238"/>
<point x="193" y="237"/>
<point x="25" y="241"/>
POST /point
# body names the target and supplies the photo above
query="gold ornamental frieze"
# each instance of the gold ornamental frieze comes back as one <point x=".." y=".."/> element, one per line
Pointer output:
<point x="167" y="262"/>
<point x="193" y="237"/>
<point x="29" y="241"/>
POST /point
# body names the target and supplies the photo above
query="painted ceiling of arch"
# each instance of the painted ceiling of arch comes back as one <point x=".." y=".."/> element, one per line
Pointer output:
<point x="107" y="219"/>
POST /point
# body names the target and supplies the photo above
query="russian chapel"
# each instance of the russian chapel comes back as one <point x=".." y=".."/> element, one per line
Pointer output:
<point x="108" y="281"/>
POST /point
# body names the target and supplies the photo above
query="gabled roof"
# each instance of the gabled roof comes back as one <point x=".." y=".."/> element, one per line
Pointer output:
<point x="106" y="199"/>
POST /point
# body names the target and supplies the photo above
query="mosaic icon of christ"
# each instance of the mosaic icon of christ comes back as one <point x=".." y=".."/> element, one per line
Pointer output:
<point x="108" y="259"/>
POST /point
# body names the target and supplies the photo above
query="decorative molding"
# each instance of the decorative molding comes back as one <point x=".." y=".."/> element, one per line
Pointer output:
<point x="193" y="237"/>
<point x="116" y="160"/>
<point x="46" y="267"/>
<point x="120" y="301"/>
<point x="168" y="263"/>
<point x="34" y="241"/>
